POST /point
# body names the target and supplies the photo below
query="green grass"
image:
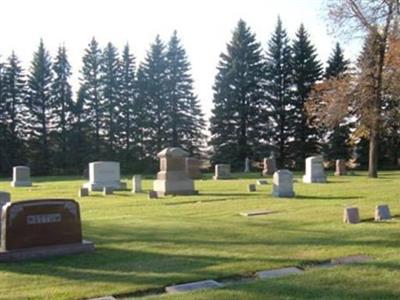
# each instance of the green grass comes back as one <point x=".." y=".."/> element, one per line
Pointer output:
<point x="143" y="244"/>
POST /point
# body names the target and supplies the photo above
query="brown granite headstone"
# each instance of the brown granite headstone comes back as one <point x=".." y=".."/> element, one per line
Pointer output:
<point x="35" y="223"/>
<point x="351" y="215"/>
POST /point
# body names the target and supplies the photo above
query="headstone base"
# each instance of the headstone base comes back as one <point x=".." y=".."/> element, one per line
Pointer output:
<point x="47" y="251"/>
<point x="98" y="187"/>
<point x="283" y="194"/>
<point x="169" y="187"/>
<point x="21" y="183"/>
<point x="308" y="179"/>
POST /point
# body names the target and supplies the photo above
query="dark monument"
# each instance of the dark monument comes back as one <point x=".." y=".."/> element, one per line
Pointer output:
<point x="41" y="228"/>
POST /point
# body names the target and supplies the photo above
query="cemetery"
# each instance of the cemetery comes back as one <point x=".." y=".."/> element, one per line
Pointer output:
<point x="168" y="243"/>
<point x="172" y="150"/>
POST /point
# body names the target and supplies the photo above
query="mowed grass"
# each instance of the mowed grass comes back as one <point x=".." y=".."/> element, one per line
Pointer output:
<point x="143" y="244"/>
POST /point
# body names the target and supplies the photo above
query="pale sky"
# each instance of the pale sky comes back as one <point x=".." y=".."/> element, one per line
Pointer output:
<point x="204" y="26"/>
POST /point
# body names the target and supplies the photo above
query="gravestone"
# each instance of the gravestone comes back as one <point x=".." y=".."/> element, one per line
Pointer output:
<point x="247" y="165"/>
<point x="222" y="171"/>
<point x="21" y="176"/>
<point x="382" y="212"/>
<point x="83" y="192"/>
<point x="262" y="182"/>
<point x="152" y="195"/>
<point x="107" y="191"/>
<point x="4" y="199"/>
<point x="269" y="166"/>
<point x="41" y="228"/>
<point x="251" y="188"/>
<point x="193" y="168"/>
<point x="137" y="184"/>
<point x="104" y="174"/>
<point x="173" y="178"/>
<point x="283" y="184"/>
<point x="340" y="167"/>
<point x="351" y="215"/>
<point x="193" y="286"/>
<point x="314" y="170"/>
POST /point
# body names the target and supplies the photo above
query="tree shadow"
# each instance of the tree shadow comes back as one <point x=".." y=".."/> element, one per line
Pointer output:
<point x="308" y="197"/>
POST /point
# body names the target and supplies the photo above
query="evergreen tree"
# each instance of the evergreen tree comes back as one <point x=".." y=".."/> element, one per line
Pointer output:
<point x="39" y="102"/>
<point x="90" y="89"/>
<point x="238" y="122"/>
<point x="3" y="125"/>
<point x="185" y="116"/>
<point x="152" y="91"/>
<point x="128" y="117"/>
<point x="279" y="92"/>
<point x="14" y="113"/>
<point x="110" y="102"/>
<point x="61" y="106"/>
<point x="337" y="144"/>
<point x="307" y="70"/>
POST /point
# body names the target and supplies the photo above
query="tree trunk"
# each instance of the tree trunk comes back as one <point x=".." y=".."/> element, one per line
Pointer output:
<point x="373" y="154"/>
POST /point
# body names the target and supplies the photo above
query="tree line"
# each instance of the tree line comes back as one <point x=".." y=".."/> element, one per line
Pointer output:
<point x="270" y="99"/>
<point x="120" y="112"/>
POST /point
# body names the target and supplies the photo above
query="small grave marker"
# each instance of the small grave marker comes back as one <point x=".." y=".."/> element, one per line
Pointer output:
<point x="83" y="192"/>
<point x="279" y="273"/>
<point x="382" y="213"/>
<point x="251" y="187"/>
<point x="351" y="215"/>
<point x="262" y="182"/>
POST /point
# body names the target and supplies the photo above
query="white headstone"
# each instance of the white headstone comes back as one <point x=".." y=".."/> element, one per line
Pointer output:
<point x="104" y="174"/>
<point x="283" y="184"/>
<point x="222" y="171"/>
<point x="314" y="170"/>
<point x="137" y="184"/>
<point x="21" y="176"/>
<point x="247" y="165"/>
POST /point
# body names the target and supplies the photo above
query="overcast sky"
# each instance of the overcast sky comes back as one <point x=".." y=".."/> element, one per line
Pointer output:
<point x="204" y="26"/>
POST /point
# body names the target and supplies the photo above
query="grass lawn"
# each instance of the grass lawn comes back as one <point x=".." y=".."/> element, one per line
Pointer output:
<point x="144" y="244"/>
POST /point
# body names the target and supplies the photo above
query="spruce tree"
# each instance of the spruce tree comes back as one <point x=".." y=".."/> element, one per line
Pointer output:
<point x="185" y="116"/>
<point x="3" y="126"/>
<point x="238" y="122"/>
<point x="337" y="145"/>
<point x="110" y="101"/>
<point x="279" y="92"/>
<point x="91" y="90"/>
<point x="61" y="106"/>
<point x="152" y="92"/>
<point x="128" y="117"/>
<point x="307" y="70"/>
<point x="14" y="112"/>
<point x="39" y="102"/>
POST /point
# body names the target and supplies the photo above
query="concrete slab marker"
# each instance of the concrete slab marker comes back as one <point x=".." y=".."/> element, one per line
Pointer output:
<point x="278" y="272"/>
<point x="352" y="259"/>
<point x="255" y="213"/>
<point x="191" y="286"/>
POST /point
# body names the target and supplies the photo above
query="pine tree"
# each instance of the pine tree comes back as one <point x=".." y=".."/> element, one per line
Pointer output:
<point x="3" y="125"/>
<point x="90" y="89"/>
<point x="307" y="70"/>
<point x="128" y="116"/>
<point x="185" y="117"/>
<point x="110" y="101"/>
<point x="337" y="145"/>
<point x="39" y="100"/>
<point x="61" y="106"/>
<point x="14" y="112"/>
<point x="279" y="92"/>
<point x="152" y="91"/>
<point x="238" y="122"/>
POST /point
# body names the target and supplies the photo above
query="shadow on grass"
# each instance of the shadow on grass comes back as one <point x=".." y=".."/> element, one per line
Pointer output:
<point x="308" y="197"/>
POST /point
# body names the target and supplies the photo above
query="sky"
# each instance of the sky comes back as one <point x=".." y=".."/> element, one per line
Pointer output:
<point x="204" y="27"/>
